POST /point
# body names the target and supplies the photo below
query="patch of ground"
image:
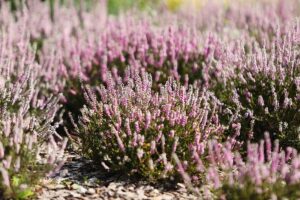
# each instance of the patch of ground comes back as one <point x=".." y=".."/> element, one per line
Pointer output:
<point x="79" y="180"/>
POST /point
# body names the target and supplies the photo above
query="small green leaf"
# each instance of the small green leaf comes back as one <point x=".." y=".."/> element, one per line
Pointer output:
<point x="16" y="181"/>
<point x="24" y="194"/>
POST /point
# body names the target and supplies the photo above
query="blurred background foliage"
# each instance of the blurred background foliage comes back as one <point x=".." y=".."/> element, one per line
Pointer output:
<point x="114" y="7"/>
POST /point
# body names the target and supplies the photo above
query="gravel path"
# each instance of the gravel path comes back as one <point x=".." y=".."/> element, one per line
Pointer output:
<point x="79" y="180"/>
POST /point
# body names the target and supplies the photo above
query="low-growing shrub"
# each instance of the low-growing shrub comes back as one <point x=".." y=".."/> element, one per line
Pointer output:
<point x="133" y="129"/>
<point x="28" y="148"/>
<point x="263" y="95"/>
<point x="163" y="52"/>
<point x="192" y="49"/>
<point x="265" y="173"/>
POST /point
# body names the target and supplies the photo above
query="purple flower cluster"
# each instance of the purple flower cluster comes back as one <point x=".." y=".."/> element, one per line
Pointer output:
<point x="166" y="94"/>
<point x="263" y="95"/>
<point x="29" y="145"/>
<point x="252" y="70"/>
<point x="136" y="129"/>
<point x="265" y="171"/>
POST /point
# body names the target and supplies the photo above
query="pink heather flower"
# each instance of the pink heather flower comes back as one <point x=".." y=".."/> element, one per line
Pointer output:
<point x="107" y="110"/>
<point x="289" y="151"/>
<point x="1" y="150"/>
<point x="141" y="139"/>
<point x="17" y="164"/>
<point x="213" y="177"/>
<point x="119" y="140"/>
<point x="261" y="152"/>
<point x="5" y="177"/>
<point x="7" y="162"/>
<point x="163" y="143"/>
<point x="2" y="82"/>
<point x="295" y="177"/>
<point x="228" y="156"/>
<point x="174" y="147"/>
<point x="153" y="147"/>
<point x="51" y="159"/>
<point x="260" y="101"/>
<point x="135" y="139"/>
<point x="200" y="166"/>
<point x="297" y="83"/>
<point x="268" y="145"/>
<point x="172" y="133"/>
<point x="140" y="153"/>
<point x="158" y="138"/>
<point x="168" y="167"/>
<point x="151" y="164"/>
<point x="137" y="127"/>
<point x="148" y="120"/>
<point x="127" y="127"/>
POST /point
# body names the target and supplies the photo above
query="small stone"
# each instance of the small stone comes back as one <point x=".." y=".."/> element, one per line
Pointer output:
<point x="64" y="172"/>
<point x="131" y="188"/>
<point x="59" y="186"/>
<point x="154" y="193"/>
<point x="148" y="188"/>
<point x="180" y="185"/>
<point x="140" y="193"/>
<point x="63" y="193"/>
<point x="75" y="186"/>
<point x="75" y="194"/>
<point x="112" y="186"/>
<point x="130" y="195"/>
<point x="120" y="194"/>
<point x="51" y="186"/>
<point x="82" y="190"/>
<point x="165" y="197"/>
<point x="111" y="193"/>
<point x="91" y="191"/>
<point x="92" y="180"/>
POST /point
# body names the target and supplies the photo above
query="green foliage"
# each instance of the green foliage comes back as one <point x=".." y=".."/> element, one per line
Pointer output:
<point x="116" y="6"/>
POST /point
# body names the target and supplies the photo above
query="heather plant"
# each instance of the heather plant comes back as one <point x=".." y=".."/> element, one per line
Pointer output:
<point x="21" y="39"/>
<point x="199" y="86"/>
<point x="263" y="94"/>
<point x="93" y="43"/>
<point x="177" y="50"/>
<point x="120" y="41"/>
<point x="163" y="52"/>
<point x="134" y="129"/>
<point x="265" y="173"/>
<point x="168" y="51"/>
<point x="29" y="146"/>
<point x="262" y="19"/>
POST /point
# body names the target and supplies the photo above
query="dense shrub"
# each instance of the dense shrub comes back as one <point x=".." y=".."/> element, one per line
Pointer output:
<point x="134" y="129"/>
<point x="93" y="43"/>
<point x="166" y="52"/>
<point x="264" y="92"/>
<point x="266" y="173"/>
<point x="87" y="53"/>
<point x="198" y="87"/>
<point x="28" y="148"/>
